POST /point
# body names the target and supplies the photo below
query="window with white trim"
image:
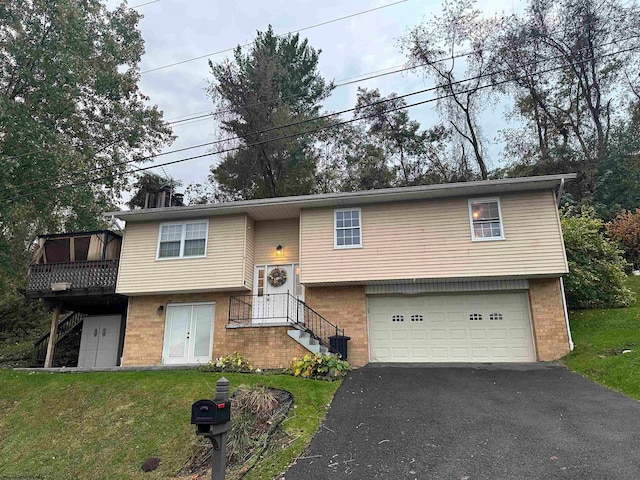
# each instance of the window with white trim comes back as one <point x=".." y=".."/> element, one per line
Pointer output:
<point x="486" y="219"/>
<point x="183" y="240"/>
<point x="348" y="228"/>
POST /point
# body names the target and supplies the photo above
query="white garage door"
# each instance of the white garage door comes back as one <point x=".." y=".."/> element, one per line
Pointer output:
<point x="471" y="327"/>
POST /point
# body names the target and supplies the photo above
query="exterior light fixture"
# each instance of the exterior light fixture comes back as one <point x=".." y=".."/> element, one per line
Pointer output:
<point x="279" y="250"/>
<point x="160" y="309"/>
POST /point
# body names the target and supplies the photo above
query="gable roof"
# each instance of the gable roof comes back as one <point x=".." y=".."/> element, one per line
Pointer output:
<point x="290" y="207"/>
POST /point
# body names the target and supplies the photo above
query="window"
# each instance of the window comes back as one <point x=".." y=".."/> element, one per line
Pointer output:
<point x="397" y="318"/>
<point x="179" y="240"/>
<point x="348" y="228"/>
<point x="474" y="317"/>
<point x="486" y="219"/>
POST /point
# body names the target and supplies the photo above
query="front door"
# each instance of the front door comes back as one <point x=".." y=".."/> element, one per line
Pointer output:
<point x="188" y="335"/>
<point x="272" y="286"/>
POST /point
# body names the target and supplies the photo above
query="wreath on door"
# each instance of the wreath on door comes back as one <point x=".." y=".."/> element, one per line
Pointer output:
<point x="277" y="277"/>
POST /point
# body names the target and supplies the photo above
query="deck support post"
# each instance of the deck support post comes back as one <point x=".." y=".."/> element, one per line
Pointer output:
<point x="51" y="344"/>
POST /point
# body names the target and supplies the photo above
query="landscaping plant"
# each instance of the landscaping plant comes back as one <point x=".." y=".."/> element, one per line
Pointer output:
<point x="596" y="268"/>
<point x="320" y="366"/>
<point x="235" y="362"/>
<point x="625" y="230"/>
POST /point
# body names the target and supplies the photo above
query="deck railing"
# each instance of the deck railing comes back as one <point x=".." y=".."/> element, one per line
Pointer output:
<point x="94" y="274"/>
<point x="282" y="308"/>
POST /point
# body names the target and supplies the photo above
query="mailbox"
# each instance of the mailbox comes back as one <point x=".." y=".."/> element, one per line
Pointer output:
<point x="210" y="412"/>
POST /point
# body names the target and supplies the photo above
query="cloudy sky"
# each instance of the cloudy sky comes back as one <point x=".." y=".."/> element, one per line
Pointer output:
<point x="177" y="30"/>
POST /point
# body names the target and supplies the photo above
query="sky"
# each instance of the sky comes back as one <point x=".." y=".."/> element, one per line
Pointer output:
<point x="177" y="30"/>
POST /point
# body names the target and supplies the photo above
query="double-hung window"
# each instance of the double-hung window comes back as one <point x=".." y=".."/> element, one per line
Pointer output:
<point x="183" y="240"/>
<point x="348" y="228"/>
<point x="486" y="219"/>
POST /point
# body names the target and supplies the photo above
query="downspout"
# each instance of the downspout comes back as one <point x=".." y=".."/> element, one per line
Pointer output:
<point x="560" y="192"/>
<point x="566" y="314"/>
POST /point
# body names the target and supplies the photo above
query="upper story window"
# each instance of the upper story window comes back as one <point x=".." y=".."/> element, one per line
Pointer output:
<point x="184" y="239"/>
<point x="348" y="228"/>
<point x="486" y="219"/>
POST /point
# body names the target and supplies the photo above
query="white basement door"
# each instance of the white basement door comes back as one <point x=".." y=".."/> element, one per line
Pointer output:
<point x="470" y="327"/>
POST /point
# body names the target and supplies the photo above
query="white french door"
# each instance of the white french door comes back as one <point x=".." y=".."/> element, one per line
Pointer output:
<point x="188" y="333"/>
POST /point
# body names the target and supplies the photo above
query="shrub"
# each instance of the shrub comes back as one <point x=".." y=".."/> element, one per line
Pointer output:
<point x="235" y="362"/>
<point x="596" y="270"/>
<point x="320" y="366"/>
<point x="625" y="230"/>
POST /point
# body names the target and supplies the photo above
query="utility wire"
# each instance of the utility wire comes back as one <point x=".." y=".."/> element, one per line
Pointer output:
<point x="314" y="119"/>
<point x="320" y="128"/>
<point x="280" y="35"/>
<point x="207" y="113"/>
<point x="197" y="118"/>
<point x="146" y="3"/>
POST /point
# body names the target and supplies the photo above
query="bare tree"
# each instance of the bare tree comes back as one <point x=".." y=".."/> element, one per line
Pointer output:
<point x="450" y="48"/>
<point x="565" y="61"/>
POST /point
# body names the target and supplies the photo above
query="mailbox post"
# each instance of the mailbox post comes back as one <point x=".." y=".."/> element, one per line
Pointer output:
<point x="212" y="419"/>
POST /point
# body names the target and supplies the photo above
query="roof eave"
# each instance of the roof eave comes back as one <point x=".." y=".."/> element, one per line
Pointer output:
<point x="482" y="187"/>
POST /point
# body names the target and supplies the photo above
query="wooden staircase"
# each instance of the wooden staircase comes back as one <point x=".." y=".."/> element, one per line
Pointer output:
<point x="68" y="324"/>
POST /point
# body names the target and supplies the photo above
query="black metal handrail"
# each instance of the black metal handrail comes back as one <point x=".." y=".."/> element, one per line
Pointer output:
<point x="66" y="325"/>
<point x="285" y="308"/>
<point x="88" y="274"/>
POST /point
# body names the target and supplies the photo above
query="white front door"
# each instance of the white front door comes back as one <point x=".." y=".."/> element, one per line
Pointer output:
<point x="271" y="303"/>
<point x="188" y="334"/>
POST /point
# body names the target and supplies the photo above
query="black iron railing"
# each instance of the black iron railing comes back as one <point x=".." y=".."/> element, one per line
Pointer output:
<point x="66" y="325"/>
<point x="282" y="308"/>
<point x="80" y="275"/>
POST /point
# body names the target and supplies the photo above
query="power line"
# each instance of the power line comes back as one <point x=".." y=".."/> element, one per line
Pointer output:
<point x="199" y="116"/>
<point x="280" y="35"/>
<point x="146" y="3"/>
<point x="320" y="128"/>
<point x="202" y="115"/>
<point x="314" y="119"/>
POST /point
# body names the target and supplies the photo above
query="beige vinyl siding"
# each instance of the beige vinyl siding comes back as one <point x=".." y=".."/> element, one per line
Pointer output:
<point x="270" y="234"/>
<point x="432" y="239"/>
<point x="250" y="240"/>
<point x="221" y="269"/>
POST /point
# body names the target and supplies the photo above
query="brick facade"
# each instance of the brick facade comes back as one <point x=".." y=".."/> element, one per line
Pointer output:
<point x="547" y="314"/>
<point x="265" y="347"/>
<point x="271" y="347"/>
<point x="345" y="307"/>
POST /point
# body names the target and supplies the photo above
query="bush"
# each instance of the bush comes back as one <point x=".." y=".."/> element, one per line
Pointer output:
<point x="625" y="230"/>
<point x="320" y="366"/>
<point x="596" y="270"/>
<point x="235" y="362"/>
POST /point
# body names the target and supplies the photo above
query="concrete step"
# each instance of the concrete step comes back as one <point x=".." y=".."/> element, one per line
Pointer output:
<point x="307" y="341"/>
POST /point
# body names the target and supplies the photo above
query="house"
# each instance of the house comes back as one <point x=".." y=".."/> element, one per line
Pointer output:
<point x="464" y="272"/>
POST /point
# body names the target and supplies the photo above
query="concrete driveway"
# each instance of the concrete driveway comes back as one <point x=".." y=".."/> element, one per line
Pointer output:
<point x="467" y="422"/>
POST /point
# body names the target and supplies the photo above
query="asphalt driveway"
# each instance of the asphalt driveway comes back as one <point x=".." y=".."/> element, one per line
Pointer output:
<point x="474" y="422"/>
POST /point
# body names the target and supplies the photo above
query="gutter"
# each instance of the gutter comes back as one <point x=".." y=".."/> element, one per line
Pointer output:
<point x="566" y="314"/>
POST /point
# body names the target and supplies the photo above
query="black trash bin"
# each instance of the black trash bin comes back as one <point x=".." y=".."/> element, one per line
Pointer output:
<point x="338" y="344"/>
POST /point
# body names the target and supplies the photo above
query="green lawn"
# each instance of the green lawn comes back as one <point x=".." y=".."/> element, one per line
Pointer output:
<point x="600" y="337"/>
<point x="105" y="425"/>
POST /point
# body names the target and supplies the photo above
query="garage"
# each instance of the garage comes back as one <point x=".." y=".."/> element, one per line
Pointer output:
<point x="469" y="327"/>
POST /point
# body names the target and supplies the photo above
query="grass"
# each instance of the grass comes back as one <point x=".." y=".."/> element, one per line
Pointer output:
<point x="600" y="337"/>
<point x="105" y="425"/>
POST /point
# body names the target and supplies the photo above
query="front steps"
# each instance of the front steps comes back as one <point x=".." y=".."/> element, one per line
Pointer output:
<point x="307" y="341"/>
